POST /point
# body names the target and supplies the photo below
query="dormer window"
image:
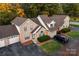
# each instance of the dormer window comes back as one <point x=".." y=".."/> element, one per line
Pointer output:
<point x="51" y="25"/>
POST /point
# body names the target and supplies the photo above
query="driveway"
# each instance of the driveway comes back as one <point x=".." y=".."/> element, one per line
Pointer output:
<point x="18" y="50"/>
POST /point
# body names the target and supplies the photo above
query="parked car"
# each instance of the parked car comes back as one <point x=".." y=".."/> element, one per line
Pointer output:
<point x="61" y="39"/>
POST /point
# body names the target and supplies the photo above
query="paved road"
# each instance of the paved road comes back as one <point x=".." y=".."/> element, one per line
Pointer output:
<point x="18" y="50"/>
<point x="75" y="28"/>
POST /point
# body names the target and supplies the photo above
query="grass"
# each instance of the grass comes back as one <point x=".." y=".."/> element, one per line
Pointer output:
<point x="74" y="34"/>
<point x="51" y="47"/>
<point x="74" y="25"/>
<point x="74" y="18"/>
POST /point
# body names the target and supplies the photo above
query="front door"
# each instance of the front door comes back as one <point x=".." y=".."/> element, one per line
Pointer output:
<point x="41" y="33"/>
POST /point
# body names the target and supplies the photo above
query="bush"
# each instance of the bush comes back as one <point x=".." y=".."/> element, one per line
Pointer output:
<point x="43" y="38"/>
<point x="65" y="30"/>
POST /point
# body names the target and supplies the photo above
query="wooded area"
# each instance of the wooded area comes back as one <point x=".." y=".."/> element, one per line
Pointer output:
<point x="9" y="11"/>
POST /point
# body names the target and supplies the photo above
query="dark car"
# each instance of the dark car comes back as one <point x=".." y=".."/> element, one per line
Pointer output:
<point x="61" y="39"/>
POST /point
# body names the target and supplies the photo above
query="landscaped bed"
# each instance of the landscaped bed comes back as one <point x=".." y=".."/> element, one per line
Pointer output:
<point x="51" y="46"/>
<point x="74" y="34"/>
<point x="43" y="38"/>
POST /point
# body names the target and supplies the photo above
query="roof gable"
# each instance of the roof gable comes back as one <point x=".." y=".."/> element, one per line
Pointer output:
<point x="59" y="20"/>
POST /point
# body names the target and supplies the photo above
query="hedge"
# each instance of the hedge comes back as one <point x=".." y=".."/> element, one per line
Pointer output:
<point x="65" y="30"/>
<point x="43" y="38"/>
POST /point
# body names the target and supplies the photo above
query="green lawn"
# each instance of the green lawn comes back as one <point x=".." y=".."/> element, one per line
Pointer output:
<point x="51" y="46"/>
<point x="74" y="18"/>
<point x="74" y="34"/>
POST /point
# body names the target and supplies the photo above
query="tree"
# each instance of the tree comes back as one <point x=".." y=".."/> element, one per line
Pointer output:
<point x="71" y="9"/>
<point x="33" y="10"/>
<point x="8" y="12"/>
<point x="76" y="9"/>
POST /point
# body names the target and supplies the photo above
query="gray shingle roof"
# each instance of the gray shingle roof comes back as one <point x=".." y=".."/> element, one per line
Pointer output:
<point x="36" y="21"/>
<point x="8" y="30"/>
<point x="59" y="19"/>
<point x="18" y="20"/>
<point x="45" y="18"/>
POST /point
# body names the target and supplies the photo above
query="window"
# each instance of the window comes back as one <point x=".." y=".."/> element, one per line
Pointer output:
<point x="27" y="37"/>
<point x="51" y="25"/>
<point x="25" y="28"/>
<point x="33" y="36"/>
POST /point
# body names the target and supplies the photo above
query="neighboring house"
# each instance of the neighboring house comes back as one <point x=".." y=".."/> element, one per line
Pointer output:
<point x="8" y="35"/>
<point x="27" y="30"/>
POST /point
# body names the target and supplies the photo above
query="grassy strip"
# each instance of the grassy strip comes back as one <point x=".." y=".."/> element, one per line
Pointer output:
<point x="74" y="25"/>
<point x="74" y="34"/>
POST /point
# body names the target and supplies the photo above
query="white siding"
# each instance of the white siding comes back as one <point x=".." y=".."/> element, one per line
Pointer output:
<point x="28" y="24"/>
<point x="53" y="23"/>
<point x="52" y="34"/>
<point x="14" y="40"/>
<point x="66" y="23"/>
<point x="2" y="44"/>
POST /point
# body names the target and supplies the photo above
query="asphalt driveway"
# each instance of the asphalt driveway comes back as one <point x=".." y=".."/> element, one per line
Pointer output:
<point x="18" y="50"/>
